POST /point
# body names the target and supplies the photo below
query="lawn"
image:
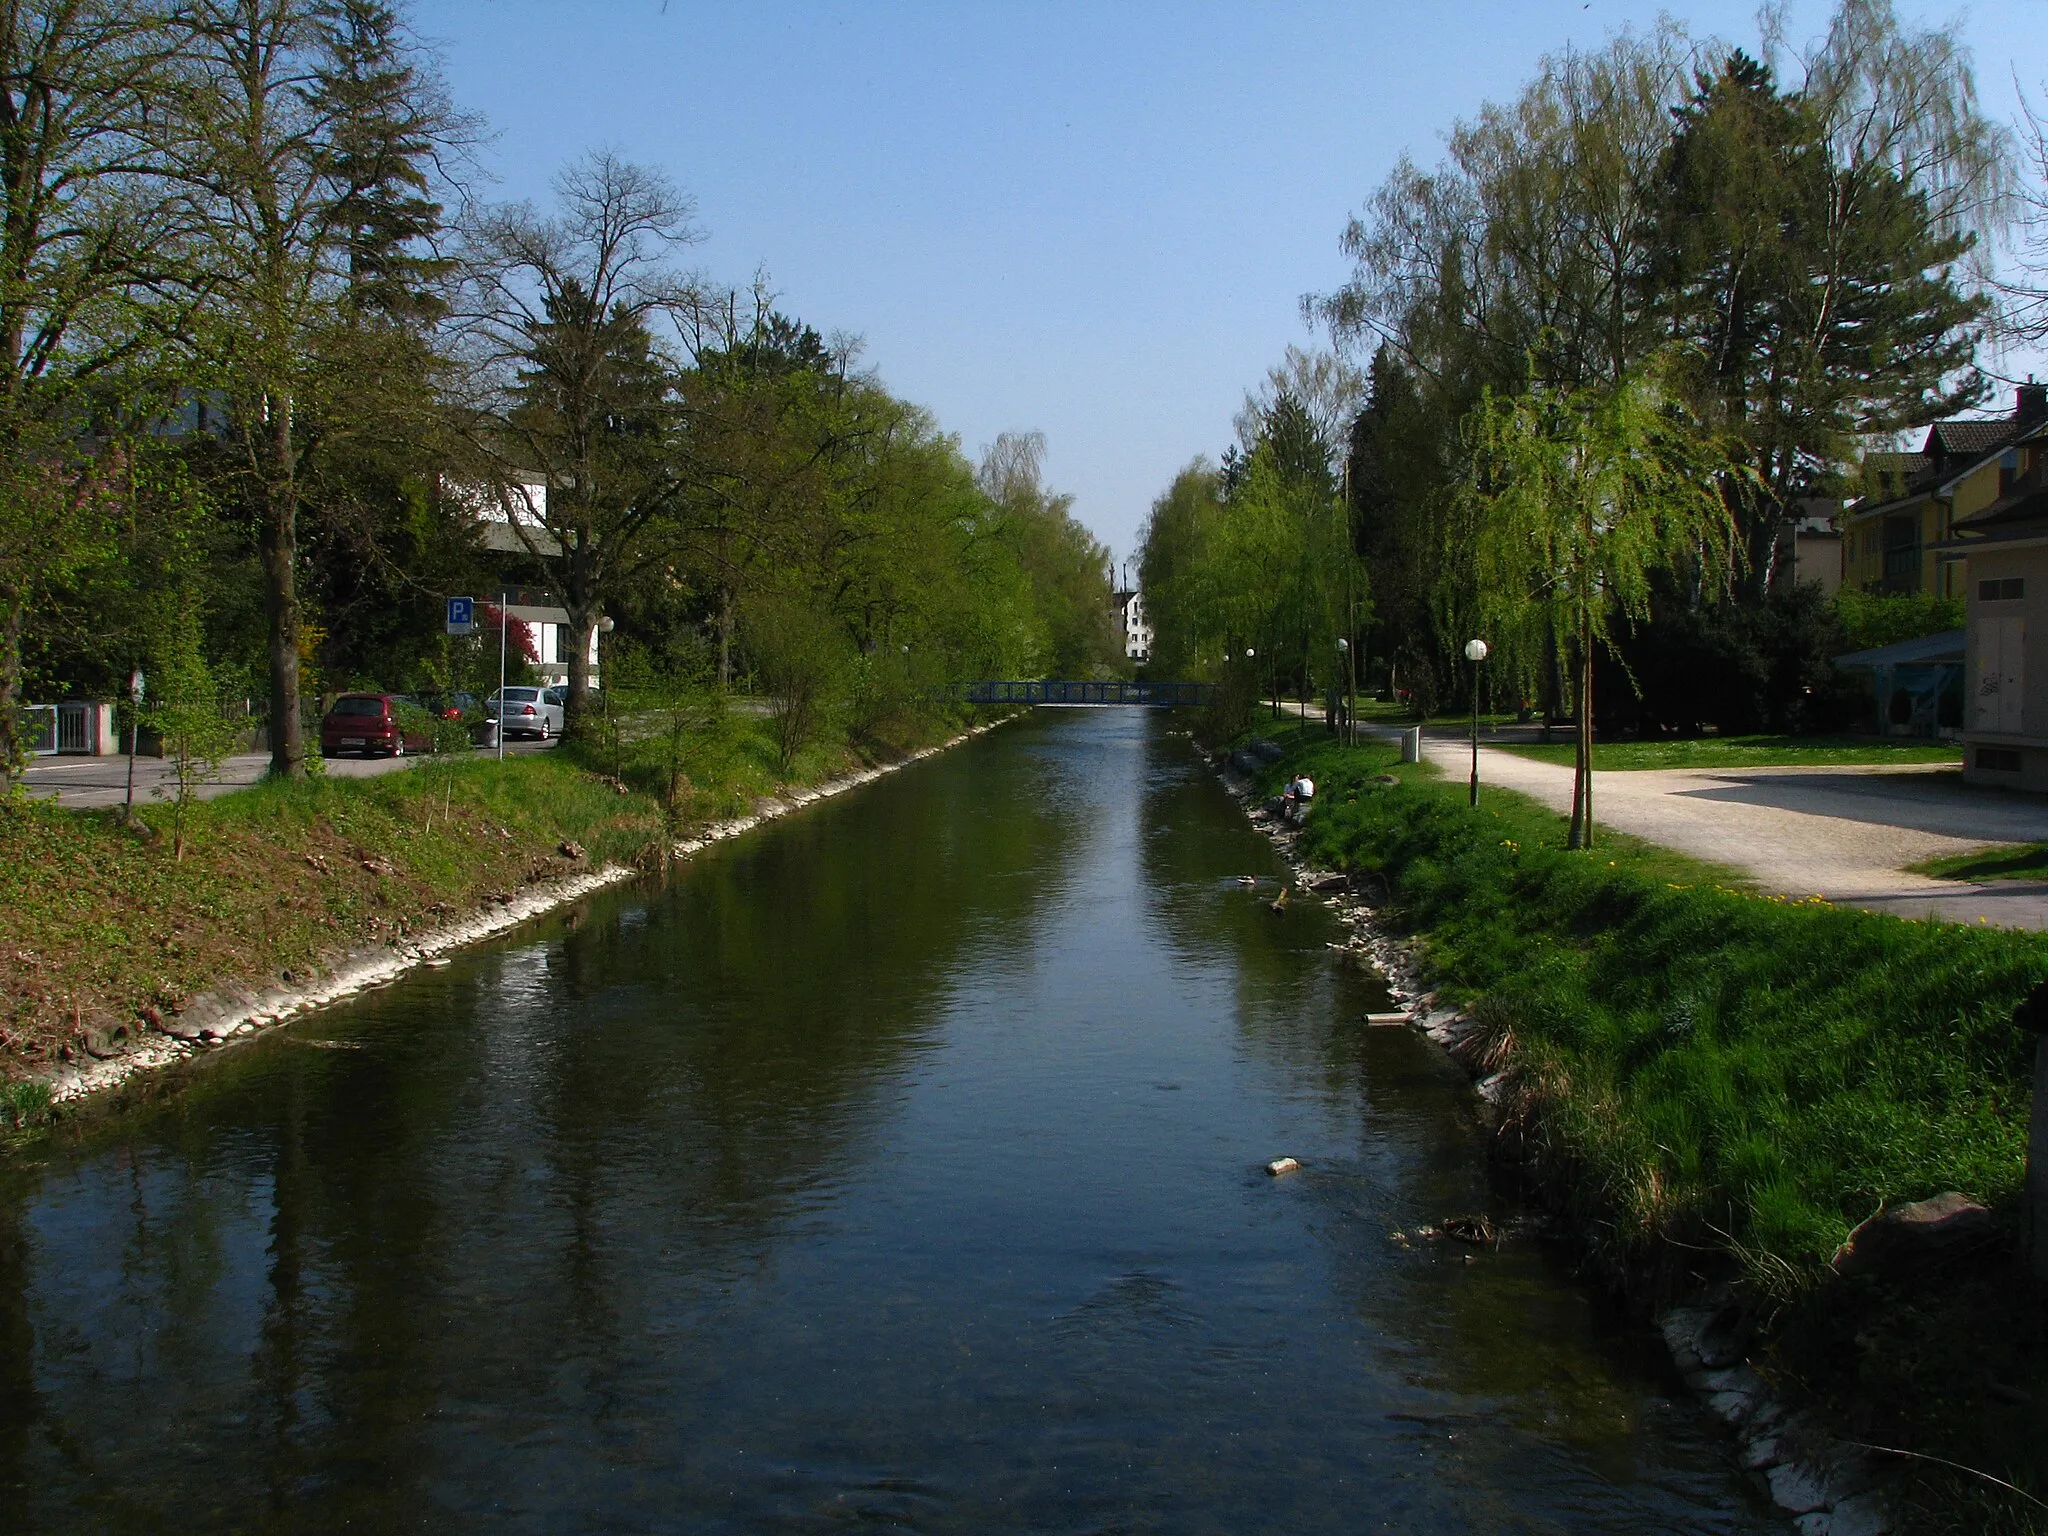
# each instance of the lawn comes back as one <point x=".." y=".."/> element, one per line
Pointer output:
<point x="1709" y="1082"/>
<point x="1747" y="752"/>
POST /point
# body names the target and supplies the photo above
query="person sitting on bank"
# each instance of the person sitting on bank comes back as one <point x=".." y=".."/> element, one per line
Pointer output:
<point x="1295" y="803"/>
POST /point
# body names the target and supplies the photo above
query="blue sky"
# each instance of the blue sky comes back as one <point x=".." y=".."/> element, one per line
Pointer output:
<point x="1095" y="220"/>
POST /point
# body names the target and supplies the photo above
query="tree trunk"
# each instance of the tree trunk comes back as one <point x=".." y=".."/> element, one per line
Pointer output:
<point x="279" y="540"/>
<point x="12" y="748"/>
<point x="725" y="619"/>
<point x="1582" y="756"/>
<point x="576" y="635"/>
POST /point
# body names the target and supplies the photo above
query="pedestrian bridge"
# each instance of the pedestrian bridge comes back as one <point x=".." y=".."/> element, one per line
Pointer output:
<point x="1155" y="695"/>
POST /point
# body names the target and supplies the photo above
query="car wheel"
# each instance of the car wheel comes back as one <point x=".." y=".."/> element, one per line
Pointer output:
<point x="544" y="727"/>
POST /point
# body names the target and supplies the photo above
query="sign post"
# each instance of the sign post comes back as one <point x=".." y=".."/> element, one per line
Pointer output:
<point x="501" y="676"/>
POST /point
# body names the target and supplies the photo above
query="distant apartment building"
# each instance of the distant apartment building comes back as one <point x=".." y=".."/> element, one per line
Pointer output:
<point x="1131" y="627"/>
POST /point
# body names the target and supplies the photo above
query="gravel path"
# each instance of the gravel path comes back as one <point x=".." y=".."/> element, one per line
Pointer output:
<point x="1842" y="833"/>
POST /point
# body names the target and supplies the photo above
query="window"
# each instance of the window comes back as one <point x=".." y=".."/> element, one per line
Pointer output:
<point x="2003" y="589"/>
<point x="1998" y="759"/>
<point x="358" y="705"/>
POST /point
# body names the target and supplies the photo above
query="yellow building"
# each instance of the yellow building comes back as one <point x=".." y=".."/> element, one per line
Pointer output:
<point x="1900" y="538"/>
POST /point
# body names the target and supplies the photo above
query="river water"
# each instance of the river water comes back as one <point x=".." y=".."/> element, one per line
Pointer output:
<point x="898" y="1165"/>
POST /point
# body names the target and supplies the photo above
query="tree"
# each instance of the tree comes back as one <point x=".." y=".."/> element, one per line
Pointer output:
<point x="84" y="232"/>
<point x="1581" y="498"/>
<point x="1066" y="565"/>
<point x="286" y="154"/>
<point x="1812" y="256"/>
<point x="559" y="321"/>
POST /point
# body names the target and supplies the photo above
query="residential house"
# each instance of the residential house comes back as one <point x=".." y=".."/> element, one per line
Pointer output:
<point x="1809" y="548"/>
<point x="1997" y="558"/>
<point x="1900" y="538"/>
<point x="524" y="503"/>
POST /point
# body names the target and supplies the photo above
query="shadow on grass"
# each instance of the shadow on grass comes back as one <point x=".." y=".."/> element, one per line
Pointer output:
<point x="2029" y="861"/>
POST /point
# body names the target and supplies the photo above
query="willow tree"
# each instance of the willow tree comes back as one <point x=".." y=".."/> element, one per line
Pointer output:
<point x="1580" y="498"/>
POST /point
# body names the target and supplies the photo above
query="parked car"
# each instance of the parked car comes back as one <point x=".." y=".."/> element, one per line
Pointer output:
<point x="447" y="706"/>
<point x="362" y="722"/>
<point x="528" y="711"/>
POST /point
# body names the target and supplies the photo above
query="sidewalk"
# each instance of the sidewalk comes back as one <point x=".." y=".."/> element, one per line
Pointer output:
<point x="86" y="783"/>
<point x="1844" y="833"/>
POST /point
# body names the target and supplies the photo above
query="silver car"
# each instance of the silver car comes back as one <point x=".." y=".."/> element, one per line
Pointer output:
<point x="528" y="712"/>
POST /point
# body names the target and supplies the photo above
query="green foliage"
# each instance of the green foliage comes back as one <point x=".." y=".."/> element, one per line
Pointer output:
<point x="1581" y="499"/>
<point x="1872" y="619"/>
<point x="24" y="1104"/>
<point x="800" y="662"/>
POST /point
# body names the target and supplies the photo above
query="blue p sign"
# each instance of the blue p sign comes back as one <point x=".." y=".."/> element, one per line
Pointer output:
<point x="461" y="615"/>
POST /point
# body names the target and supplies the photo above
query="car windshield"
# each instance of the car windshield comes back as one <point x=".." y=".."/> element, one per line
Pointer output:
<point x="359" y="706"/>
<point x="522" y="695"/>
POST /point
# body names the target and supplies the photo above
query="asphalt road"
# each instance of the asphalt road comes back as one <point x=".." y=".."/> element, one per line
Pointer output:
<point x="87" y="782"/>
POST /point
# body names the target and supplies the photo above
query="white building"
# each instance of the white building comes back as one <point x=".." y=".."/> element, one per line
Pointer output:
<point x="1131" y="625"/>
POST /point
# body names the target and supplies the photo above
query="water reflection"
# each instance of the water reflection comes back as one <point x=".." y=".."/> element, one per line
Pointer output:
<point x="899" y="1163"/>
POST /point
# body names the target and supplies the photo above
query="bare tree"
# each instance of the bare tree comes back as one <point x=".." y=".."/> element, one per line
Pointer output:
<point x="570" y="325"/>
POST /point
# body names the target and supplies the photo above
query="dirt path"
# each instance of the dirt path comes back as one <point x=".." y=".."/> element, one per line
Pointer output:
<point x="1839" y="832"/>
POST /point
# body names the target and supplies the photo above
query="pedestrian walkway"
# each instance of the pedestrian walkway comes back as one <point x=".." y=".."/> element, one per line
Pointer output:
<point x="1844" y="833"/>
<point x="85" y="783"/>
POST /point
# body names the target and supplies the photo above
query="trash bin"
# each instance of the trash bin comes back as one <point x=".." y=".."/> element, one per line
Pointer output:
<point x="1411" y="744"/>
<point x="484" y="733"/>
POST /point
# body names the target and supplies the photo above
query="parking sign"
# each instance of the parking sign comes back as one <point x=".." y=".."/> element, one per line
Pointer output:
<point x="461" y="615"/>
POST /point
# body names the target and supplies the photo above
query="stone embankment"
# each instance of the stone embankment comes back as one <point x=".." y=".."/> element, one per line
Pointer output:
<point x="1829" y="1486"/>
<point x="215" y="1019"/>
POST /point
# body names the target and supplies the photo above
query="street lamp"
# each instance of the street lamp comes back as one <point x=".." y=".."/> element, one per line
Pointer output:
<point x="1351" y="687"/>
<point x="1475" y="652"/>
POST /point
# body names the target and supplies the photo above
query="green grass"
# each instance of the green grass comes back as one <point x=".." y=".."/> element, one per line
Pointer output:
<point x="100" y="928"/>
<point x="2017" y="861"/>
<point x="1722" y="1068"/>
<point x="1711" y="1081"/>
<point x="1745" y="752"/>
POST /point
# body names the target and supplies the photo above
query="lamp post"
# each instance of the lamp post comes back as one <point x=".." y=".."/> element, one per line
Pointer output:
<point x="1475" y="652"/>
<point x="1344" y="651"/>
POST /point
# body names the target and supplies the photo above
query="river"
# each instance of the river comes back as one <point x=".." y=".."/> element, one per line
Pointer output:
<point x="899" y="1164"/>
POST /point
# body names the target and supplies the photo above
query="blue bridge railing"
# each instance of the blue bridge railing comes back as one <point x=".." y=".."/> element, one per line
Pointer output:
<point x="1154" y="695"/>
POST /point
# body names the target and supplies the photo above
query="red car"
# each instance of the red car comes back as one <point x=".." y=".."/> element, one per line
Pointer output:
<point x="362" y="722"/>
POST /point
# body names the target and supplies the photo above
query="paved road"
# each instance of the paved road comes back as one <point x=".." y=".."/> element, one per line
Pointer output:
<point x="86" y="782"/>
<point x="1839" y="832"/>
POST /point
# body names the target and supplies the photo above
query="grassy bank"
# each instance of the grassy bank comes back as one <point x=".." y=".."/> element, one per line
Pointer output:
<point x="100" y="925"/>
<point x="1720" y="1084"/>
<point x="1746" y="752"/>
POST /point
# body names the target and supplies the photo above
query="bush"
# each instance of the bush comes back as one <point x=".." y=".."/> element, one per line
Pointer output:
<point x="1871" y="619"/>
